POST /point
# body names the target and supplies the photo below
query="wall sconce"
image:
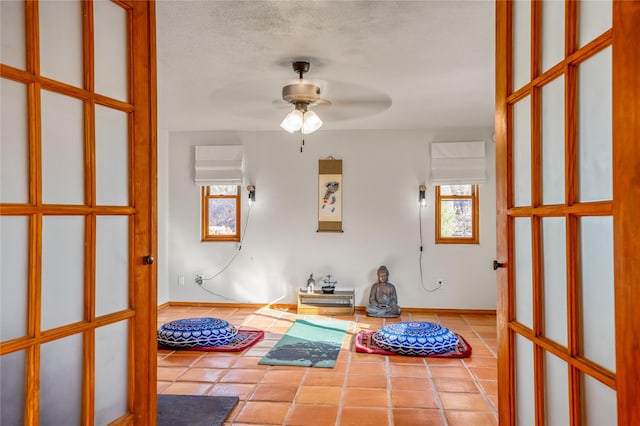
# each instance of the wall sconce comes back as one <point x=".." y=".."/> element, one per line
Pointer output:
<point x="422" y="196"/>
<point x="252" y="194"/>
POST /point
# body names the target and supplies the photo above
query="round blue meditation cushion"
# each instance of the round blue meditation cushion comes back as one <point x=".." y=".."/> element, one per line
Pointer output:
<point x="196" y="333"/>
<point x="415" y="338"/>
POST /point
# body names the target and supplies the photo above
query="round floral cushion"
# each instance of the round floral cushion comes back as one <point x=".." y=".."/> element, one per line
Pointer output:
<point x="196" y="333"/>
<point x="416" y="338"/>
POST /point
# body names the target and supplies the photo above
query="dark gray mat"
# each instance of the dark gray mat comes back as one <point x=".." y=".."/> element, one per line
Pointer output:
<point x="194" y="410"/>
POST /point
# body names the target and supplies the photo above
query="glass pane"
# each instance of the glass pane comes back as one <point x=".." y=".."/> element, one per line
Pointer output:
<point x="556" y="390"/>
<point x="594" y="143"/>
<point x="222" y="216"/>
<point x="62" y="270"/>
<point x="223" y="190"/>
<point x="14" y="266"/>
<point x="61" y="381"/>
<point x="523" y="272"/>
<point x="553" y="142"/>
<point x="552" y="33"/>
<point x="14" y="142"/>
<point x="112" y="364"/>
<point x="12" y="388"/>
<point x="599" y="404"/>
<point x="110" y="36"/>
<point x="456" y="218"/>
<point x="594" y="18"/>
<point x="12" y="34"/>
<point x="62" y="149"/>
<point x="521" y="43"/>
<point x="112" y="157"/>
<point x="522" y="152"/>
<point x="455" y="190"/>
<point x="112" y="264"/>
<point x="554" y="279"/>
<point x="596" y="259"/>
<point x="61" y="41"/>
<point x="524" y="381"/>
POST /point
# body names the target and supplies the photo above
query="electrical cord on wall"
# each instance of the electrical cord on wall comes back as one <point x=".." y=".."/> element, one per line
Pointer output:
<point x="420" y="257"/>
<point x="200" y="279"/>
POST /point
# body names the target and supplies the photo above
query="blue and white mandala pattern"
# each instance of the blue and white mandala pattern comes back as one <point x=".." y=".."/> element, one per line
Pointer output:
<point x="196" y="332"/>
<point x="415" y="338"/>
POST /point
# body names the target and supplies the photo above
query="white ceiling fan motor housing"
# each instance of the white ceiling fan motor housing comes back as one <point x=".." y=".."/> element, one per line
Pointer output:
<point x="301" y="93"/>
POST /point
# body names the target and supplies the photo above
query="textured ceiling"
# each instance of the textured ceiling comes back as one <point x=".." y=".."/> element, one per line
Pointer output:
<point x="381" y="64"/>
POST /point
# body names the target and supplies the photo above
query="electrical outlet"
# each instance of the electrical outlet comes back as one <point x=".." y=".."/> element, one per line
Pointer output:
<point x="181" y="280"/>
<point x="199" y="279"/>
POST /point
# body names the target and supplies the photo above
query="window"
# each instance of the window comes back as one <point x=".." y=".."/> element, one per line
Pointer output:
<point x="457" y="214"/>
<point x="221" y="213"/>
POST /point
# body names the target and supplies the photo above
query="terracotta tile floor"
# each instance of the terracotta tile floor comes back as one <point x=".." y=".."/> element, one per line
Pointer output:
<point x="362" y="389"/>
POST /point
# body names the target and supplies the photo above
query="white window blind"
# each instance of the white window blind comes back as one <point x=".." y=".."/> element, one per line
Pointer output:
<point x="219" y="165"/>
<point x="457" y="163"/>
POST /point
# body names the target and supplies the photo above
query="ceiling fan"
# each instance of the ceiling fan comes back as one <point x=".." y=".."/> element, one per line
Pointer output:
<point x="302" y="95"/>
<point x="334" y="100"/>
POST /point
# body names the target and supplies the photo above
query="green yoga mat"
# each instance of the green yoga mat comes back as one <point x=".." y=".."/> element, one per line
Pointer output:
<point x="309" y="343"/>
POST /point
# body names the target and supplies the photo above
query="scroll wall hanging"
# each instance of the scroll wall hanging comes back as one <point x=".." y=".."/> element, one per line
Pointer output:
<point x="330" y="195"/>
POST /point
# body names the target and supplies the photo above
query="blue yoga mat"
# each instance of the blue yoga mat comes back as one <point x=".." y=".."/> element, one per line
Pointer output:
<point x="309" y="343"/>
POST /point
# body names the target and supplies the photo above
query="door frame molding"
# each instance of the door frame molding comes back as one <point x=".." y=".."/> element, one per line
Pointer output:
<point x="144" y="190"/>
<point x="626" y="204"/>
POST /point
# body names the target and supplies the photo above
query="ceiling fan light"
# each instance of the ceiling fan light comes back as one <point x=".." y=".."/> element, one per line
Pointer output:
<point x="311" y="122"/>
<point x="292" y="122"/>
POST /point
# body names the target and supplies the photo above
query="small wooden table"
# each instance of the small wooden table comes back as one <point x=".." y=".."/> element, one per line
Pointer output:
<point x="340" y="302"/>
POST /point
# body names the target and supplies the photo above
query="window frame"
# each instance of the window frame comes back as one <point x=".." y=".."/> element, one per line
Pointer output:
<point x="204" y="220"/>
<point x="475" y="216"/>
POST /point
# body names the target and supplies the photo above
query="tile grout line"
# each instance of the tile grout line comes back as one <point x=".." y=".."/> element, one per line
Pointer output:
<point x="298" y="387"/>
<point x="480" y="337"/>
<point x="346" y="374"/>
<point x="475" y="379"/>
<point x="255" y="385"/>
<point x="387" y="366"/>
<point x="436" y="392"/>
<point x="293" y="401"/>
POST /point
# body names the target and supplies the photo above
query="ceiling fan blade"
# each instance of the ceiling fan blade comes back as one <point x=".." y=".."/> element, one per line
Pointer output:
<point x="261" y="100"/>
<point x="351" y="101"/>
<point x="281" y="104"/>
<point x="351" y="111"/>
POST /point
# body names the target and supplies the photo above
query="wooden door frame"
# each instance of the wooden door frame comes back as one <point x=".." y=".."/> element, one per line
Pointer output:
<point x="141" y="404"/>
<point x="626" y="204"/>
<point x="143" y="397"/>
<point x="626" y="208"/>
<point x="506" y="397"/>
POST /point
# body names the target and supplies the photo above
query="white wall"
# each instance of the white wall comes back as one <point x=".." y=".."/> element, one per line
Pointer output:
<point x="163" y="217"/>
<point x="382" y="171"/>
